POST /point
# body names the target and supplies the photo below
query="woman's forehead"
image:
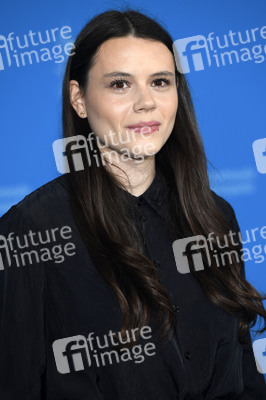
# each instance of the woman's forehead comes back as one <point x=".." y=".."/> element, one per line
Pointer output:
<point x="130" y="51"/>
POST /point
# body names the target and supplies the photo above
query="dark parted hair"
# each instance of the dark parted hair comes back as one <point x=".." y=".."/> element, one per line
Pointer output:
<point x="105" y="219"/>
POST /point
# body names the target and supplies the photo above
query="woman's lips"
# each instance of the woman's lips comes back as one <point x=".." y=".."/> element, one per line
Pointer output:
<point x="144" y="123"/>
<point x="145" y="127"/>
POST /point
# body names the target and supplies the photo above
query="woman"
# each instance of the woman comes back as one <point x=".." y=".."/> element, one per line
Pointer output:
<point x="93" y="304"/>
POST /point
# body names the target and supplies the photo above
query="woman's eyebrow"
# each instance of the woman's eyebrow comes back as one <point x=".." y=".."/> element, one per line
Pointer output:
<point x="120" y="73"/>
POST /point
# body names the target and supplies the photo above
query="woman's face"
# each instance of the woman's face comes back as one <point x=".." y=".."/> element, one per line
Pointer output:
<point x="145" y="90"/>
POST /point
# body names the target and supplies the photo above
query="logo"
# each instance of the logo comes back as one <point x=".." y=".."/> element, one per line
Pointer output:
<point x="4" y="45"/>
<point x="259" y="150"/>
<point x="259" y="350"/>
<point x="72" y="153"/>
<point x="222" y="250"/>
<point x="78" y="352"/>
<point x="75" y="153"/>
<point x="71" y="354"/>
<point x="191" y="250"/>
<point x="36" y="247"/>
<point x="4" y="248"/>
<point x="191" y="53"/>
<point x="33" y="47"/>
<point x="195" y="53"/>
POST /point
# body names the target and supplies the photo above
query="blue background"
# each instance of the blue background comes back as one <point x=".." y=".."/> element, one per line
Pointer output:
<point x="229" y="101"/>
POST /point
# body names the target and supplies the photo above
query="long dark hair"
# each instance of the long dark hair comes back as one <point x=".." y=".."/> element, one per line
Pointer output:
<point x="106" y="226"/>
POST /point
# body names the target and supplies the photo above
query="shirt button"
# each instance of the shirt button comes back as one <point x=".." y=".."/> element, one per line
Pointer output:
<point x="140" y="201"/>
<point x="142" y="218"/>
<point x="187" y="355"/>
<point x="176" y="308"/>
<point x="156" y="263"/>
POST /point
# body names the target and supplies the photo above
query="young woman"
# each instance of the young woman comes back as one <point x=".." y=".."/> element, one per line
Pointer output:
<point x="92" y="302"/>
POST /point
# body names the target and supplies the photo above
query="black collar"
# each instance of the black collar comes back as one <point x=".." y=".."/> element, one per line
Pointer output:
<point x="155" y="195"/>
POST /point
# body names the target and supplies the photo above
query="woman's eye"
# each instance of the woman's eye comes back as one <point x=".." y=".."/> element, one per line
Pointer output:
<point x="119" y="84"/>
<point x="162" y="82"/>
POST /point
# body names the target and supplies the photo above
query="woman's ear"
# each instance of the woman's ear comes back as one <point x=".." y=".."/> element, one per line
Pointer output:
<point x="77" y="99"/>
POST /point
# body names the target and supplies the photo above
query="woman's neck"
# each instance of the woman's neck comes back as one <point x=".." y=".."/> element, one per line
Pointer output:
<point x="139" y="175"/>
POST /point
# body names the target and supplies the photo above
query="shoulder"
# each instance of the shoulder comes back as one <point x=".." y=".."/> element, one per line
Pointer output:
<point x="47" y="203"/>
<point x="225" y="207"/>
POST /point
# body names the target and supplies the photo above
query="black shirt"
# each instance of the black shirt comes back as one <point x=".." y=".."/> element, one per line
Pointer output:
<point x="50" y="290"/>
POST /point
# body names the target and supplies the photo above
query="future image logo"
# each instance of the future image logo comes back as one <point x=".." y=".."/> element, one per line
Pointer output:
<point x="36" y="247"/>
<point x="72" y="154"/>
<point x="35" y="47"/>
<point x="191" y="53"/>
<point x="196" y="53"/>
<point x="259" y="150"/>
<point x="191" y="249"/>
<point x="259" y="350"/>
<point x="77" y="353"/>
<point x="71" y="354"/>
<point x="199" y="251"/>
<point x="75" y="153"/>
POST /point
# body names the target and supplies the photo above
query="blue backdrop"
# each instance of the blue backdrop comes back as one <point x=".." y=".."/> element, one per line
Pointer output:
<point x="222" y="46"/>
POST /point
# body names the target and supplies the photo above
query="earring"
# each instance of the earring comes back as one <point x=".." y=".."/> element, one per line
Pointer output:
<point x="82" y="113"/>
